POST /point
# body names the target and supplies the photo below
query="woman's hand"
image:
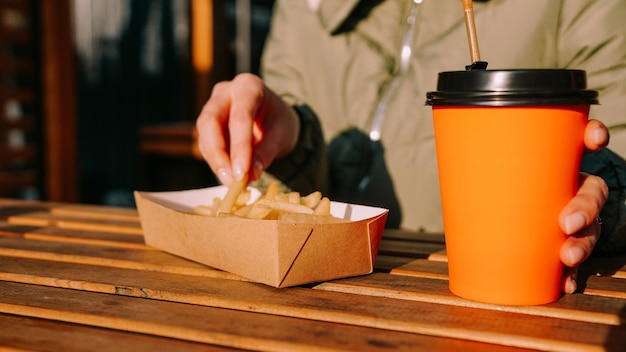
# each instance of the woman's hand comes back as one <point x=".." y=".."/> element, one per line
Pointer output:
<point x="243" y="127"/>
<point x="580" y="217"/>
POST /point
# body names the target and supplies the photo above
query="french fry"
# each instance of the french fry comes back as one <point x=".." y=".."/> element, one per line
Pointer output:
<point x="323" y="208"/>
<point x="273" y="205"/>
<point x="236" y="187"/>
<point x="205" y="210"/>
<point x="312" y="199"/>
<point x="230" y="216"/>
<point x="209" y="210"/>
<point x="286" y="206"/>
<point x="272" y="191"/>
<point x="243" y="198"/>
<point x="244" y="210"/>
<point x="281" y="197"/>
<point x="259" y="211"/>
<point x="294" y="197"/>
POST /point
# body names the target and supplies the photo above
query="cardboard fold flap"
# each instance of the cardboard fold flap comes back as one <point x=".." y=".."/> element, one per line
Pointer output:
<point x="332" y="252"/>
<point x="277" y="253"/>
<point x="376" y="226"/>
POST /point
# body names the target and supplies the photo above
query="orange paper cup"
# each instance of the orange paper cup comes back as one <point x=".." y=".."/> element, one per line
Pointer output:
<point x="506" y="171"/>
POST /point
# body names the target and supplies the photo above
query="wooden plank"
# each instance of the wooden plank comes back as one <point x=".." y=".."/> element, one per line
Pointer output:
<point x="412" y="316"/>
<point x="409" y="249"/>
<point x="72" y="236"/>
<point x="215" y="326"/>
<point x="14" y="230"/>
<point x="87" y="237"/>
<point x="611" y="283"/>
<point x="603" y="310"/>
<point x="608" y="267"/>
<point x="606" y="286"/>
<point x="423" y="268"/>
<point x="78" y="223"/>
<point x="387" y="263"/>
<point x="32" y="334"/>
<point x="87" y="241"/>
<point x="405" y="235"/>
<point x="96" y="212"/>
<point x="440" y="256"/>
<point x="114" y="257"/>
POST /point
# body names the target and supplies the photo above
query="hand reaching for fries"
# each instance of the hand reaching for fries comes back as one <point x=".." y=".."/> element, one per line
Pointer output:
<point x="243" y="127"/>
<point x="273" y="205"/>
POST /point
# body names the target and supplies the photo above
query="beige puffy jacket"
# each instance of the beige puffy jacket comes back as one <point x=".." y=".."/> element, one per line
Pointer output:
<point x="335" y="58"/>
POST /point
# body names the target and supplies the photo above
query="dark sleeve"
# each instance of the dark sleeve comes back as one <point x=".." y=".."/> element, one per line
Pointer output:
<point x="304" y="169"/>
<point x="612" y="168"/>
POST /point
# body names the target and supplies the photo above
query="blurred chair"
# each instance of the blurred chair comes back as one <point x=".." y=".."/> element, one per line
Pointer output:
<point x="174" y="144"/>
<point x="217" y="53"/>
<point x="19" y="152"/>
<point x="37" y="141"/>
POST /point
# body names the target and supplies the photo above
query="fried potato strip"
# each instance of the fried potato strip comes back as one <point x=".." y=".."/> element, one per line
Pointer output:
<point x="272" y="205"/>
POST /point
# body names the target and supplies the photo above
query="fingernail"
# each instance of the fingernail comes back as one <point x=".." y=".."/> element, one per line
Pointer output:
<point x="257" y="168"/>
<point x="575" y="255"/>
<point x="238" y="169"/>
<point x="570" y="284"/>
<point x="224" y="176"/>
<point x="574" y="222"/>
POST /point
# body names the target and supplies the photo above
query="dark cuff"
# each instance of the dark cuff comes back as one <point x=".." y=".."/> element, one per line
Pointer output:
<point x="304" y="169"/>
<point x="612" y="169"/>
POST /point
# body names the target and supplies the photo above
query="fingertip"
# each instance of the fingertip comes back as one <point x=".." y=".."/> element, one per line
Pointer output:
<point x="570" y="284"/>
<point x="601" y="137"/>
<point x="570" y="279"/>
<point x="597" y="136"/>
<point x="239" y="168"/>
<point x="574" y="223"/>
<point x="225" y="176"/>
<point x="572" y="255"/>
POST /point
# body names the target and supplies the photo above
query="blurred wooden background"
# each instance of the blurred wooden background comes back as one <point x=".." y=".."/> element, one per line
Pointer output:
<point x="99" y="97"/>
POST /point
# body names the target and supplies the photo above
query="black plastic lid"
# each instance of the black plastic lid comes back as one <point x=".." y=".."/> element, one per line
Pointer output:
<point x="512" y="88"/>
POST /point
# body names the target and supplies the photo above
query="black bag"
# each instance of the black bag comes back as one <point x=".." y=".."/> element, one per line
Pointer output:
<point x="358" y="174"/>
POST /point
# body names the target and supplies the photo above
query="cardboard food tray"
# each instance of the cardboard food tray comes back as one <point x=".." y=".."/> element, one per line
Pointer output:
<point x="274" y="252"/>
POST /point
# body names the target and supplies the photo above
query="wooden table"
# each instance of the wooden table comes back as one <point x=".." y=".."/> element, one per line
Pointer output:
<point x="77" y="277"/>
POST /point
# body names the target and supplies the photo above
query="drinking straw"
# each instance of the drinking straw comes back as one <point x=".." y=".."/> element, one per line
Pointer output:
<point x="470" y="26"/>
